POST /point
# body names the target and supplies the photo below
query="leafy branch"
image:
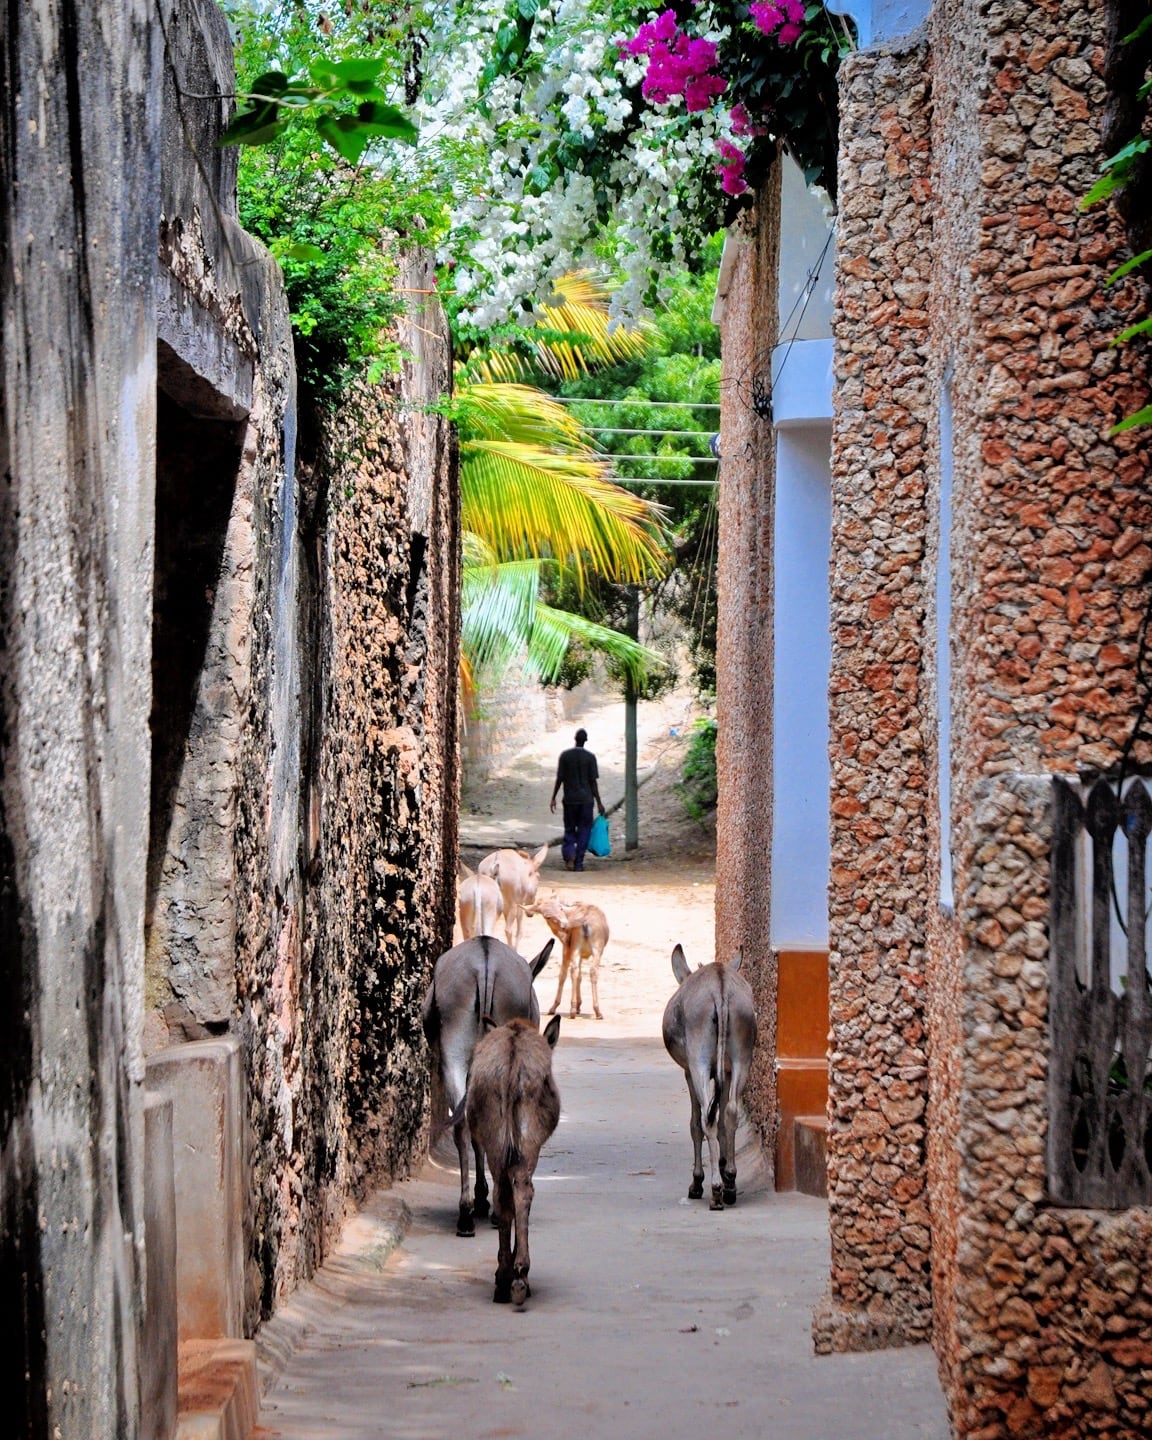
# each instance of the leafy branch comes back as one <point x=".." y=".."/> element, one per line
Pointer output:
<point x="341" y="99"/>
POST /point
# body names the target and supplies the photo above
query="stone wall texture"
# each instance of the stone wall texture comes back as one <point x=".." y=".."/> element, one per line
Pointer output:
<point x="974" y="313"/>
<point x="79" y="173"/>
<point x="744" y="637"/>
<point x="304" y="673"/>
<point x="880" y="883"/>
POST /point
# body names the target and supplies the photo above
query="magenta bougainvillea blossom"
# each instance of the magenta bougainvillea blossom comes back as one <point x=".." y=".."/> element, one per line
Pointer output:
<point x="678" y="64"/>
<point x="682" y="64"/>
<point x="785" y="20"/>
<point x="731" y="168"/>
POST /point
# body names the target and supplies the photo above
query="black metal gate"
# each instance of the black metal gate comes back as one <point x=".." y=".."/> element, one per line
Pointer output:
<point x="1100" y="1079"/>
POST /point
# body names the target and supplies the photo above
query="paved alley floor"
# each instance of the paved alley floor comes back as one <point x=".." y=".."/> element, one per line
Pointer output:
<point x="651" y="1317"/>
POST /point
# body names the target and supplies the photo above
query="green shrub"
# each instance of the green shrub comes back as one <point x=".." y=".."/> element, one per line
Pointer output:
<point x="698" y="777"/>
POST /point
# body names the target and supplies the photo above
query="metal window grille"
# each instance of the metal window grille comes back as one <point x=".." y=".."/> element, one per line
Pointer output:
<point x="1100" y="1079"/>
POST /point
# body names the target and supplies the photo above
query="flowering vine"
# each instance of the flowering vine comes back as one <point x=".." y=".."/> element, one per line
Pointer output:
<point x="584" y="114"/>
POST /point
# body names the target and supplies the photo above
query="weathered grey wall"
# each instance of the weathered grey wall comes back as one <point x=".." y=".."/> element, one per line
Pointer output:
<point x="287" y="634"/>
<point x="79" y="177"/>
<point x="305" y="679"/>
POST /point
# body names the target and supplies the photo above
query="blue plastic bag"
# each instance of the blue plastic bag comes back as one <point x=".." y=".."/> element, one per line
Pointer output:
<point x="599" y="841"/>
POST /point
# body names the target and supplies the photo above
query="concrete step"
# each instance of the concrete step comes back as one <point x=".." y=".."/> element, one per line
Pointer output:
<point x="810" y="1150"/>
<point x="218" y="1397"/>
<point x="801" y="1089"/>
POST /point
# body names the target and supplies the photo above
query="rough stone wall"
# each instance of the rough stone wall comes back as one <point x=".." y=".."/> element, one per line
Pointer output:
<point x="1045" y="1325"/>
<point x="79" y="173"/>
<point x="744" y="640"/>
<point x="880" y="883"/>
<point x="332" y="966"/>
<point x="305" y="677"/>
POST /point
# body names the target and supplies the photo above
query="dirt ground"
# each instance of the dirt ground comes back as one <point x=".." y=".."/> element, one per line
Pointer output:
<point x="653" y="897"/>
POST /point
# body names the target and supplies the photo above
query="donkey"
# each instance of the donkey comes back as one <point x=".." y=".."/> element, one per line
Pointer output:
<point x="513" y="1107"/>
<point x="517" y="873"/>
<point x="481" y="903"/>
<point x="709" y="1030"/>
<point x="479" y="977"/>
<point x="582" y="930"/>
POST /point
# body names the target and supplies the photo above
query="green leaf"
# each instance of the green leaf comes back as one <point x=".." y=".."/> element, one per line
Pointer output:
<point x="352" y="72"/>
<point x="380" y="118"/>
<point x="300" y="250"/>
<point x="272" y="82"/>
<point x="345" y="134"/>
<point x="1142" y="327"/>
<point x="1141" y="417"/>
<point x="254" y="127"/>
<point x="1142" y="29"/>
<point x="1129" y="266"/>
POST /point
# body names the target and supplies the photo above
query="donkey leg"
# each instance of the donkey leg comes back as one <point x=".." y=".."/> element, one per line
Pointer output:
<point x="593" y="980"/>
<point x="465" y="1224"/>
<point x="696" y="1189"/>
<point x="503" y="1209"/>
<point x="577" y="976"/>
<point x="480" y="1202"/>
<point x="559" y="988"/>
<point x="523" y="1191"/>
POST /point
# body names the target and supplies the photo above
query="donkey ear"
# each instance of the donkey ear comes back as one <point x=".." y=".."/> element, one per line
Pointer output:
<point x="540" y="856"/>
<point x="552" y="1030"/>
<point x="735" y="963"/>
<point x="542" y="959"/>
<point x="680" y="967"/>
<point x="487" y="1025"/>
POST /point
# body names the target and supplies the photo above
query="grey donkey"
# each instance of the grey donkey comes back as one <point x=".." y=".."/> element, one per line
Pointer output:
<point x="479" y="977"/>
<point x="513" y="1107"/>
<point x="710" y="1030"/>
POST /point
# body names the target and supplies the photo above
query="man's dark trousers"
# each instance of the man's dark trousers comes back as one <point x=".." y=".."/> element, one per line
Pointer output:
<point x="577" y="828"/>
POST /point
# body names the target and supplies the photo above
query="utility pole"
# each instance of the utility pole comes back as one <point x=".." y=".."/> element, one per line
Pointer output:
<point x="631" y="797"/>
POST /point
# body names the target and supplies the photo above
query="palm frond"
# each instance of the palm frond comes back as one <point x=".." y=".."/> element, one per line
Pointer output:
<point x="525" y="500"/>
<point x="507" y="411"/>
<point x="582" y="334"/>
<point x="504" y="621"/>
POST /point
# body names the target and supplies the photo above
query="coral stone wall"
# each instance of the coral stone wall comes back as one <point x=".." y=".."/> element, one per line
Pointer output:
<point x="744" y="639"/>
<point x="880" y="883"/>
<point x="332" y="964"/>
<point x="1044" y="1318"/>
<point x="305" y="662"/>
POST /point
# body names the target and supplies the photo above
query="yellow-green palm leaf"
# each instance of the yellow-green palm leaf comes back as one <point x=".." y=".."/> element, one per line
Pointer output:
<point x="577" y="335"/>
<point x="530" y="485"/>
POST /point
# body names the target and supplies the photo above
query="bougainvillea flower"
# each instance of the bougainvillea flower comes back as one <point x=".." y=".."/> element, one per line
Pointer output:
<point x="731" y="168"/>
<point x="785" y="20"/>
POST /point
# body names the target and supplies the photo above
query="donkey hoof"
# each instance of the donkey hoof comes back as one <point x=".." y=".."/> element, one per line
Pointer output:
<point x="696" y="1189"/>
<point x="481" y="1208"/>
<point x="465" y="1224"/>
<point x="599" y="1016"/>
<point x="502" y="1296"/>
<point x="730" y="1195"/>
<point x="520" y="1291"/>
<point x="717" y="1202"/>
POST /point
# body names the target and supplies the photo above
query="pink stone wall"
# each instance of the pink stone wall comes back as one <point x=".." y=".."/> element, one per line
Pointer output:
<point x="744" y="641"/>
<point x="880" y="880"/>
<point x="969" y="276"/>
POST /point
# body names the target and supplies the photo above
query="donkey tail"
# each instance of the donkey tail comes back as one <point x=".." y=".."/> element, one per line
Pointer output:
<point x="721" y="1055"/>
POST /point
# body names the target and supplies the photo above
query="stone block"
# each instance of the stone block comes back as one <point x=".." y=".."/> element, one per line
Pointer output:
<point x="219" y="1396"/>
<point x="810" y="1154"/>
<point x="203" y="1079"/>
<point x="158" y="1343"/>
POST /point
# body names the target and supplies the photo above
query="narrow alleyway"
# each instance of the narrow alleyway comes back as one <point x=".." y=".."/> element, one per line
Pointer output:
<point x="650" y="1315"/>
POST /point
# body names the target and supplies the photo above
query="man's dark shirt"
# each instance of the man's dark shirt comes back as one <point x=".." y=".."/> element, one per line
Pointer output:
<point x="576" y="771"/>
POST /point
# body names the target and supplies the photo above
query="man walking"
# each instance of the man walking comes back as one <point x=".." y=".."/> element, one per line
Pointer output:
<point x="578" y="773"/>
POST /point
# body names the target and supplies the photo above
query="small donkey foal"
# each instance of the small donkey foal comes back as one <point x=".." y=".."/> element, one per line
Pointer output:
<point x="513" y="1107"/>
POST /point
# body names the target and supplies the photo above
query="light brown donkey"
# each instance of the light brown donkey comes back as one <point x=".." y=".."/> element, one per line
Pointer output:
<point x="513" y="1107"/>
<point x="582" y="929"/>
<point x="517" y="873"/>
